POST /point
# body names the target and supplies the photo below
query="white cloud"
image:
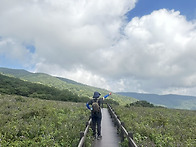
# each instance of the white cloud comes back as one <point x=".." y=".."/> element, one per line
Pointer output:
<point x="157" y="50"/>
<point x="68" y="30"/>
<point x="90" y="41"/>
<point x="15" y="52"/>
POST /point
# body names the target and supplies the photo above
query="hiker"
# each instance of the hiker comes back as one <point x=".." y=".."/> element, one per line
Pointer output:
<point x="96" y="113"/>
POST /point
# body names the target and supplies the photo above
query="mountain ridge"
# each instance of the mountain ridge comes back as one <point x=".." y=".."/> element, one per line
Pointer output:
<point x="168" y="100"/>
<point x="63" y="83"/>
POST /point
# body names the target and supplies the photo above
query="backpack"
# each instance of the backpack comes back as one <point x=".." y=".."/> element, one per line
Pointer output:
<point x="95" y="106"/>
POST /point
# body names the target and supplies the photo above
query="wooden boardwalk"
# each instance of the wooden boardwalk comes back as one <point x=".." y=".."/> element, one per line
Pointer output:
<point x="110" y="137"/>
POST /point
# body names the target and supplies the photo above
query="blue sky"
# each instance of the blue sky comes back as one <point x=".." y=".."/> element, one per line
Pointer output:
<point x="145" y="7"/>
<point x="91" y="42"/>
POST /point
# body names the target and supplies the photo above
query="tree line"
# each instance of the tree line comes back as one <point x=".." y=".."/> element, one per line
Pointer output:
<point x="15" y="86"/>
<point x="142" y="103"/>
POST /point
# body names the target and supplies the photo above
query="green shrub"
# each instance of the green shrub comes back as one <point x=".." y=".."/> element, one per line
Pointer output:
<point x="33" y="122"/>
<point x="159" y="126"/>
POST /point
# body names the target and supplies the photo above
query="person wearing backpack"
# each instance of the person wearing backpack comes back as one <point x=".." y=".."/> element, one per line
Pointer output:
<point x="96" y="113"/>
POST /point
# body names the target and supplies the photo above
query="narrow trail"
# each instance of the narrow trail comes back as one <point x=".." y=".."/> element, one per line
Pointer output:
<point x="110" y="137"/>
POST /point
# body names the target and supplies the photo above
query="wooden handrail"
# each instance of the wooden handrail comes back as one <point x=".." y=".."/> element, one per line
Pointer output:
<point x="121" y="126"/>
<point x="83" y="134"/>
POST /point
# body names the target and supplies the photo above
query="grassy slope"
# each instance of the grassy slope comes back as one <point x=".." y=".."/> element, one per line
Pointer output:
<point x="61" y="83"/>
<point x="16" y="86"/>
<point x="34" y="122"/>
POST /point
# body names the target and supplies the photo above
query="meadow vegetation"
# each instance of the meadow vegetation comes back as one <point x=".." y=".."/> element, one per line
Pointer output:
<point x="159" y="127"/>
<point x="26" y="120"/>
<point x="34" y="122"/>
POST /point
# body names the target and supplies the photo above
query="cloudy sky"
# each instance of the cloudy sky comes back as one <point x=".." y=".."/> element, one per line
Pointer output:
<point x="119" y="45"/>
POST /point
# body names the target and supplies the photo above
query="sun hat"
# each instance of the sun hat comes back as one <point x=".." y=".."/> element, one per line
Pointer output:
<point x="96" y="94"/>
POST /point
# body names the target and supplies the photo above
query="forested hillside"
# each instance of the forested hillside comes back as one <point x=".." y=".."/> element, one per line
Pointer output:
<point x="15" y="86"/>
<point x="61" y="83"/>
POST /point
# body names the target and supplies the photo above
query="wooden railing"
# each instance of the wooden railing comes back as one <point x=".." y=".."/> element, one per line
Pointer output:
<point x="121" y="127"/>
<point x="83" y="134"/>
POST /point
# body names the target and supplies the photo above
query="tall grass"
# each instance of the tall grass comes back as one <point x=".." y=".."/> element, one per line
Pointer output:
<point x="34" y="122"/>
<point x="160" y="127"/>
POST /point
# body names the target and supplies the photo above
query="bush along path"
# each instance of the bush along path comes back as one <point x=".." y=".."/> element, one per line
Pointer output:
<point x="34" y="122"/>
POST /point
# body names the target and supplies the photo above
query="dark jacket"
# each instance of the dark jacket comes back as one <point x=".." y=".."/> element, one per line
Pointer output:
<point x="98" y="114"/>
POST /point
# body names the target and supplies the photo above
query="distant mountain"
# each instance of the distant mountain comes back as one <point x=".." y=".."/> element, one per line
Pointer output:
<point x="63" y="83"/>
<point x="170" y="100"/>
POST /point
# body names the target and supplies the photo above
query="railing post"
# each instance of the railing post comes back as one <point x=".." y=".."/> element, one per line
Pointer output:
<point x="115" y="122"/>
<point x="130" y="134"/>
<point x="118" y="129"/>
<point x="118" y="126"/>
<point x="122" y="132"/>
<point x="86" y="123"/>
<point x="82" y="135"/>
